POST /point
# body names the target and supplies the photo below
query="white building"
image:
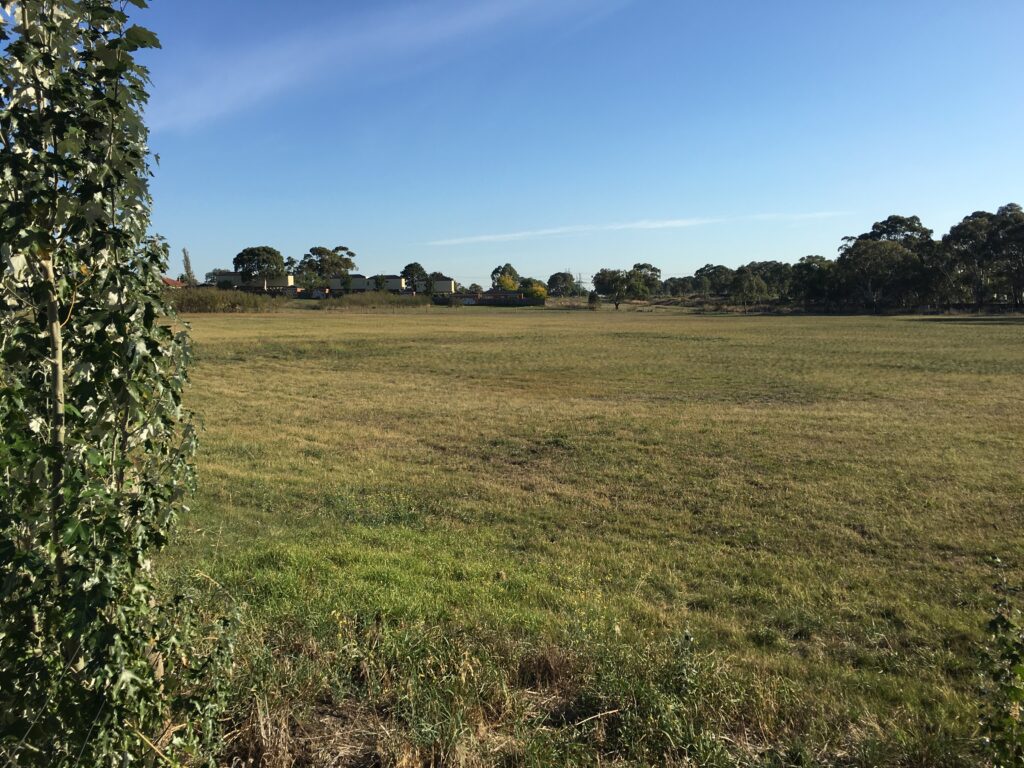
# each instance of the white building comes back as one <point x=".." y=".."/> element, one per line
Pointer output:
<point x="361" y="283"/>
<point x="441" y="286"/>
<point x="234" y="280"/>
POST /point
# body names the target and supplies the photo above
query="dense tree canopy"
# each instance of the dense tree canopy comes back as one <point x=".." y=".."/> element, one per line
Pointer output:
<point x="505" y="278"/>
<point x="533" y="288"/>
<point x="564" y="284"/>
<point x="320" y="264"/>
<point x="260" y="261"/>
<point x="812" y="280"/>
<point x="714" y="279"/>
<point x="897" y="264"/>
<point x="414" y="274"/>
<point x="645" y="279"/>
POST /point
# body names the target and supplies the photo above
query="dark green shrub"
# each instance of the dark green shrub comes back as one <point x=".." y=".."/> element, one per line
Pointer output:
<point x="1003" y="716"/>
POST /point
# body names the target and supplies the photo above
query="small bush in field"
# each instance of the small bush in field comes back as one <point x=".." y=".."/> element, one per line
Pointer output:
<point x="1003" y="716"/>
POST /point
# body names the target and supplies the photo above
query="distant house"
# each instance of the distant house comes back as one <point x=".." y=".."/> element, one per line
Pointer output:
<point x="362" y="283"/>
<point x="227" y="279"/>
<point x="170" y="282"/>
<point x="273" y="284"/>
<point x="284" y="284"/>
<point x="491" y="298"/>
<point x="394" y="283"/>
<point x="442" y="286"/>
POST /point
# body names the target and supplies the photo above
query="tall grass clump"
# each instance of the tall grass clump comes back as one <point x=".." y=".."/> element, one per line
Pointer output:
<point x="373" y="300"/>
<point x="391" y="691"/>
<point x="206" y="300"/>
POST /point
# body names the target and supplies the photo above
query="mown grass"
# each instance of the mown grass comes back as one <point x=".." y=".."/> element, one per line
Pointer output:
<point x="487" y="537"/>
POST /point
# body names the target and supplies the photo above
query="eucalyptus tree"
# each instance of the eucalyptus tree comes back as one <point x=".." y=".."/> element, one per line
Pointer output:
<point x="565" y="284"/>
<point x="322" y="264"/>
<point x="872" y="272"/>
<point x="812" y="280"/>
<point x="95" y="446"/>
<point x="1010" y="247"/>
<point x="613" y="284"/>
<point x="505" y="278"/>
<point x="646" y="279"/>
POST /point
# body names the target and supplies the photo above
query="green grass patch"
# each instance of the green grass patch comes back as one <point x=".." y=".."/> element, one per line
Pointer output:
<point x="533" y="538"/>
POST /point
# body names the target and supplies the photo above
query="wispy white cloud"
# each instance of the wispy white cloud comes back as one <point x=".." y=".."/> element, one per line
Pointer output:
<point x="535" y="234"/>
<point x="799" y="216"/>
<point x="643" y="224"/>
<point x="223" y="81"/>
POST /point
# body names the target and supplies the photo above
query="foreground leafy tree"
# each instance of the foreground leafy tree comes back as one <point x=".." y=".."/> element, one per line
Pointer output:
<point x="95" y="447"/>
<point x="1003" y="688"/>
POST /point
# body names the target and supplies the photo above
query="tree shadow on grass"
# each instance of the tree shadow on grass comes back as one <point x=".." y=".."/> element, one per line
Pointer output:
<point x="979" y="320"/>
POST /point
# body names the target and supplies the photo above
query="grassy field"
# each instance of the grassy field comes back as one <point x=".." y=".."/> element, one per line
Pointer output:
<point x="482" y="537"/>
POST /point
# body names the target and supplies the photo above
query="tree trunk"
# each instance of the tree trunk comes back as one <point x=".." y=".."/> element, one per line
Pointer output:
<point x="58" y="430"/>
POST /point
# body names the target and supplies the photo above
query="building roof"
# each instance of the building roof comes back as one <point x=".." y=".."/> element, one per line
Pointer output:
<point x="170" y="282"/>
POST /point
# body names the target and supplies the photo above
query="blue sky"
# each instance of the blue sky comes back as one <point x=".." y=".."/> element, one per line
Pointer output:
<point x="576" y="134"/>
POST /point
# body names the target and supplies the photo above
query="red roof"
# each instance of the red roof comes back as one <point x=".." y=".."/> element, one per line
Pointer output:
<point x="170" y="282"/>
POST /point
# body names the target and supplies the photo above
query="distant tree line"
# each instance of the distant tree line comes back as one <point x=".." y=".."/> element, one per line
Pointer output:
<point x="560" y="284"/>
<point x="897" y="264"/>
<point x="315" y="269"/>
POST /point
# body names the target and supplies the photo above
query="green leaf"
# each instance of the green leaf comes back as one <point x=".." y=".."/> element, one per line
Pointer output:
<point x="140" y="37"/>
